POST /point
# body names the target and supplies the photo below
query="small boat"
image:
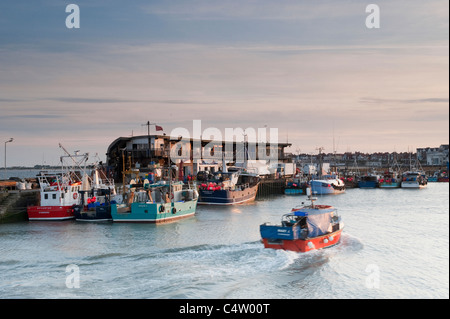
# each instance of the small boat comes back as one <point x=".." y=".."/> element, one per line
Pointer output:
<point x="414" y="179"/>
<point x="350" y="181"/>
<point x="438" y="176"/>
<point x="443" y="179"/>
<point x="390" y="179"/>
<point x="327" y="184"/>
<point x="351" y="176"/>
<point x="369" y="181"/>
<point x="57" y="198"/>
<point x="159" y="203"/>
<point x="296" y="186"/>
<point x="98" y="207"/>
<point x="304" y="229"/>
<point x="96" y="202"/>
<point x="229" y="188"/>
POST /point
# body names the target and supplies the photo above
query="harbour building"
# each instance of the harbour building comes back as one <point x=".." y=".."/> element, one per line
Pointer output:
<point x="148" y="152"/>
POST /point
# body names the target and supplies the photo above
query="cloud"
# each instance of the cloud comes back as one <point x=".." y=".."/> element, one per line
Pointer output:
<point x="33" y="116"/>
<point x="88" y="100"/>
<point x="406" y="101"/>
<point x="10" y="100"/>
<point x="250" y="10"/>
<point x="300" y="66"/>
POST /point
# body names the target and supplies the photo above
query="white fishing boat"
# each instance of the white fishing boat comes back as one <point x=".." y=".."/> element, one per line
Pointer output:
<point x="414" y="179"/>
<point x="324" y="184"/>
<point x="327" y="184"/>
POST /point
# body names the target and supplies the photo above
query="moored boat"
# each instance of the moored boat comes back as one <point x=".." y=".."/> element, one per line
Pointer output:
<point x="160" y="203"/>
<point x="439" y="176"/>
<point x="59" y="192"/>
<point x="304" y="229"/>
<point x="369" y="181"/>
<point x="327" y="184"/>
<point x="229" y="188"/>
<point x="414" y="179"/>
<point x="295" y="186"/>
<point x="350" y="181"/>
<point x="96" y="202"/>
<point x="390" y="180"/>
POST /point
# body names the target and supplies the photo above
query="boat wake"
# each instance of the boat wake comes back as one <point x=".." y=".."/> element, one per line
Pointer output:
<point x="211" y="271"/>
<point x="350" y="243"/>
<point x="252" y="256"/>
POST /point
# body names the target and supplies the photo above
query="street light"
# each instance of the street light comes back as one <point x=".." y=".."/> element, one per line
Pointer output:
<point x="8" y="141"/>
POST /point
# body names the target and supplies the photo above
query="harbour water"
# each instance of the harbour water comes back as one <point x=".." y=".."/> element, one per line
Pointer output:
<point x="395" y="244"/>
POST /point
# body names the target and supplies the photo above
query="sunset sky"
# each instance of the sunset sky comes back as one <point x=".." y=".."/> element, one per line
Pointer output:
<point x="312" y="69"/>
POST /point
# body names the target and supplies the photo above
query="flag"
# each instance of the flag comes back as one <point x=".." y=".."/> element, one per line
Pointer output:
<point x="158" y="128"/>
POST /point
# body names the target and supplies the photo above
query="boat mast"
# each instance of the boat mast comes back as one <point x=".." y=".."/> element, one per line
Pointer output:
<point x="320" y="161"/>
<point x="171" y="198"/>
<point x="84" y="159"/>
<point x="123" y="171"/>
<point x="310" y="196"/>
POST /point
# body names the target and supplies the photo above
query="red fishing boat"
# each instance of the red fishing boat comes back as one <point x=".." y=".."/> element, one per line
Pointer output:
<point x="304" y="229"/>
<point x="59" y="192"/>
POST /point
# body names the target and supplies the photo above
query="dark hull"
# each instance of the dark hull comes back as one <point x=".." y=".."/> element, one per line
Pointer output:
<point x="100" y="213"/>
<point x="368" y="184"/>
<point x="227" y="197"/>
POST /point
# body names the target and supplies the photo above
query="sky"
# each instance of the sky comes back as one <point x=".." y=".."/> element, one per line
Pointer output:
<point x="311" y="69"/>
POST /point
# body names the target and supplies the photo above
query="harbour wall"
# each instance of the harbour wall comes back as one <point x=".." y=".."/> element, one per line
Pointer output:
<point x="268" y="187"/>
<point x="13" y="204"/>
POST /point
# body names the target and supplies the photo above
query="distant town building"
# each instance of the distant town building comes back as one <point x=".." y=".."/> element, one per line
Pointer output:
<point x="434" y="156"/>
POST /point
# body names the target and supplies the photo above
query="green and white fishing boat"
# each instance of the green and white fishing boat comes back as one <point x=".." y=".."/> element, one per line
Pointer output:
<point x="156" y="203"/>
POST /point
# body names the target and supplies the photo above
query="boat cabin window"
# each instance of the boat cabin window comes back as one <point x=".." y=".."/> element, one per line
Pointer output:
<point x="45" y="196"/>
<point x="54" y="196"/>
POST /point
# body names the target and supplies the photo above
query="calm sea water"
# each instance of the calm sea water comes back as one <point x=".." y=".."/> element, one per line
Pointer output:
<point x="20" y="173"/>
<point x="395" y="245"/>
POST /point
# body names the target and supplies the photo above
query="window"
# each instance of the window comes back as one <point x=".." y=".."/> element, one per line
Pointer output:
<point x="46" y="196"/>
<point x="54" y="196"/>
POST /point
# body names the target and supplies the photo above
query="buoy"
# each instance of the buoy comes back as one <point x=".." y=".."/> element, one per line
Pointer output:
<point x="325" y="241"/>
<point x="330" y="238"/>
<point x="310" y="245"/>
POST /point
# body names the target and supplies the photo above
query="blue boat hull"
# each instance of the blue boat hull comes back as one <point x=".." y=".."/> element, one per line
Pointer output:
<point x="367" y="184"/>
<point x="390" y="185"/>
<point x="99" y="213"/>
<point x="294" y="191"/>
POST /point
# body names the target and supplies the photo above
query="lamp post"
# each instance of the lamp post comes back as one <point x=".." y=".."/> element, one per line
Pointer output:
<point x="8" y="141"/>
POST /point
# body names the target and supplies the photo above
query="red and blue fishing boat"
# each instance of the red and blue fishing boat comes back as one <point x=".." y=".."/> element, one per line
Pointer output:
<point x="304" y="229"/>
